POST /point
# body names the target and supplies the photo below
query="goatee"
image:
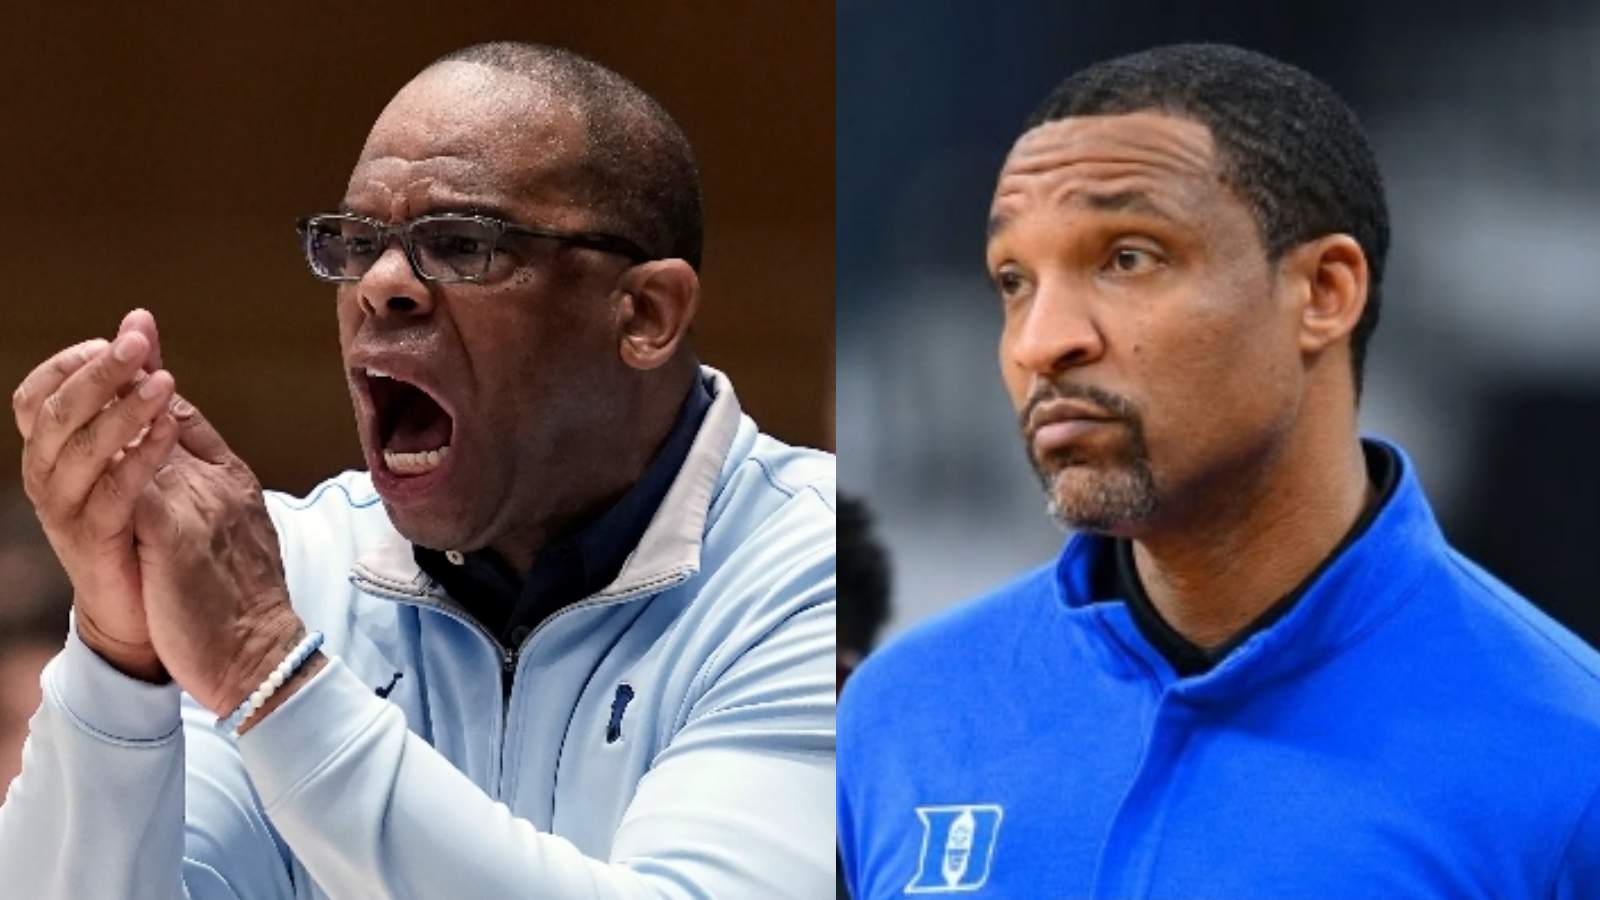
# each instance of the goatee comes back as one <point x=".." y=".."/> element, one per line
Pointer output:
<point x="1103" y="496"/>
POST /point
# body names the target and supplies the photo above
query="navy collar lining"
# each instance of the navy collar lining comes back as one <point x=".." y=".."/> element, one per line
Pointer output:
<point x="578" y="564"/>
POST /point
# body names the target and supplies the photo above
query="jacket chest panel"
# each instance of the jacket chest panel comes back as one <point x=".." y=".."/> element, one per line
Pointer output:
<point x="566" y="749"/>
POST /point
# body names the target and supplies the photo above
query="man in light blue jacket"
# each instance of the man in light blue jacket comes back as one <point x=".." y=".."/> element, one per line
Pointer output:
<point x="571" y="635"/>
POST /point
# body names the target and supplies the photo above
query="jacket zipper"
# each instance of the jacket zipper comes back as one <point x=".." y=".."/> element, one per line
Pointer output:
<point x="508" y="660"/>
<point x="509" y="656"/>
<point x="508" y="675"/>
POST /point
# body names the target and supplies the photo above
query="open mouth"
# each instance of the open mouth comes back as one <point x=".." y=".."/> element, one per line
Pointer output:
<point x="413" y="429"/>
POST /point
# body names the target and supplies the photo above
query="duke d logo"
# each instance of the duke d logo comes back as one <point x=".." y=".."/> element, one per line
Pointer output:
<point x="957" y="848"/>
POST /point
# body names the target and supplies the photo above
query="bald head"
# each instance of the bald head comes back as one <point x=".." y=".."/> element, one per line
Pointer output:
<point x="628" y="161"/>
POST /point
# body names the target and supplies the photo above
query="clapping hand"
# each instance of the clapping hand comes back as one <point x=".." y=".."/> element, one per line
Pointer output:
<point x="163" y="531"/>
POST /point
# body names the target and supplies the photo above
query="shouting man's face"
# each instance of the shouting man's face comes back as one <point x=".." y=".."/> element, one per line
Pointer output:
<point x="480" y="402"/>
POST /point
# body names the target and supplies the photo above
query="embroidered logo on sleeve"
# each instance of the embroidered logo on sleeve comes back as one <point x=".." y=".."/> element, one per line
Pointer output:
<point x="957" y="848"/>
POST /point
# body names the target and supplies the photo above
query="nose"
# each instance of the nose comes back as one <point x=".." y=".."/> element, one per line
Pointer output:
<point x="391" y="289"/>
<point x="1055" y="332"/>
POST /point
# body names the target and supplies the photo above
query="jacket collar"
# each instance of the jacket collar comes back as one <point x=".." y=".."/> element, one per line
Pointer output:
<point x="667" y="554"/>
<point x="1354" y="593"/>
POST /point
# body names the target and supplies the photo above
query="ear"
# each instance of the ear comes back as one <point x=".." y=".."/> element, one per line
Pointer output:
<point x="1332" y="272"/>
<point x="659" y="301"/>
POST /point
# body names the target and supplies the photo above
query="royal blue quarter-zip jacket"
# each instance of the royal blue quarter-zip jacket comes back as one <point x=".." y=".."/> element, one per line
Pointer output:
<point x="1410" y="727"/>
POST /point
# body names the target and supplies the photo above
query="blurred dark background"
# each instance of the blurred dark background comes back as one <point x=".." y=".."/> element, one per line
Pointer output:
<point x="158" y="155"/>
<point x="1486" y="367"/>
<point x="161" y="160"/>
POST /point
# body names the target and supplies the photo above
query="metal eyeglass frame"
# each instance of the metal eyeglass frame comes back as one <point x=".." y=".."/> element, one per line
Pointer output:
<point x="592" y="240"/>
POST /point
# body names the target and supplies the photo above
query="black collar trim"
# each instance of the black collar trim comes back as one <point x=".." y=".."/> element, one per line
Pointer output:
<point x="1118" y="576"/>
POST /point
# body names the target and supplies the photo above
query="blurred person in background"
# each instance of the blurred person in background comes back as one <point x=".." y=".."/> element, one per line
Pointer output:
<point x="865" y="577"/>
<point x="865" y="584"/>
<point x="567" y="636"/>
<point x="1259" y="670"/>
<point x="33" y="624"/>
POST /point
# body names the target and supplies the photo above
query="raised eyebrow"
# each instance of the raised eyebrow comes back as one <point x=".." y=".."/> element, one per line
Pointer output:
<point x="1132" y="201"/>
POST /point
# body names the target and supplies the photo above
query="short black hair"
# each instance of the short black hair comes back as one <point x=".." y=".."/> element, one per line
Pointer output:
<point x="1292" y="150"/>
<point x="864" y="578"/>
<point x="639" y="165"/>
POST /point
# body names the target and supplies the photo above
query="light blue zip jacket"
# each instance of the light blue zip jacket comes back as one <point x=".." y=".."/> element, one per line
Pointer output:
<point x="670" y="736"/>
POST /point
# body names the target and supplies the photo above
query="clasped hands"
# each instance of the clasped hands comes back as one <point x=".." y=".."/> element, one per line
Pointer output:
<point x="162" y="530"/>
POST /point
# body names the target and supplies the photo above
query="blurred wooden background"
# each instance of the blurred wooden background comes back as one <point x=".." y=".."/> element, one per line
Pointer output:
<point x="158" y="155"/>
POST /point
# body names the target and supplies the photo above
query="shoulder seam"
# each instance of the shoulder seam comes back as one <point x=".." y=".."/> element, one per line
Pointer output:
<point x="1521" y="618"/>
<point x="772" y="477"/>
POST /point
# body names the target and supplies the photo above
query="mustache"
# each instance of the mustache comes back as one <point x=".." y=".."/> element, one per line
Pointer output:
<point x="1115" y="405"/>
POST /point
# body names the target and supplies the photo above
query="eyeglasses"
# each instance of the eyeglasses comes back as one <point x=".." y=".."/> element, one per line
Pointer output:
<point x="446" y="247"/>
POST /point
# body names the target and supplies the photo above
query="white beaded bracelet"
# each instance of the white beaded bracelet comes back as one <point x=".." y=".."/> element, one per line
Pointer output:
<point x="258" y="698"/>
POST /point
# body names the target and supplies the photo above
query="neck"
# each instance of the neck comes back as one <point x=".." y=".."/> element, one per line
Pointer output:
<point x="1263" y="533"/>
<point x="596" y="479"/>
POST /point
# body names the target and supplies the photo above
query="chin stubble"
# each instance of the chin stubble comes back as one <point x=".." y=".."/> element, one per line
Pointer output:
<point x="1111" y="500"/>
<point x="1104" y="497"/>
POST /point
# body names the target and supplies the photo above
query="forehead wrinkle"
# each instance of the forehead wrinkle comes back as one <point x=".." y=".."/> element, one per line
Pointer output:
<point x="387" y="171"/>
<point x="443" y="180"/>
<point x="445" y="155"/>
<point x="389" y="183"/>
<point x="1108" y="148"/>
<point x="482" y="129"/>
<point x="1140" y="163"/>
<point x="1151" y="138"/>
<point x="1131" y="193"/>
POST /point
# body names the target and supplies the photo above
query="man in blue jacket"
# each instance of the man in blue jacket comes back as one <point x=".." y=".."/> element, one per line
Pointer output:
<point x="569" y="635"/>
<point x="1259" y="671"/>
